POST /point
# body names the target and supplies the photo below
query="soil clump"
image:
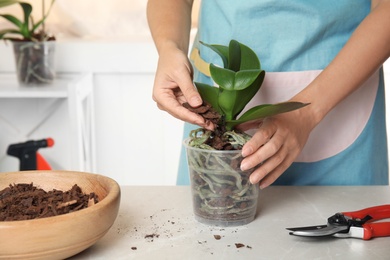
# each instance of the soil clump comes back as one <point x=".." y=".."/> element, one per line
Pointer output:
<point x="26" y="201"/>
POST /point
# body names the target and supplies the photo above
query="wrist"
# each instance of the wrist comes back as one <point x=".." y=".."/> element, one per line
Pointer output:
<point x="170" y="45"/>
<point x="312" y="114"/>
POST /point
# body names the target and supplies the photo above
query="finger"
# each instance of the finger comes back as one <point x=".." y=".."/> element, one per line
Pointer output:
<point x="184" y="80"/>
<point x="266" y="167"/>
<point x="271" y="169"/>
<point x="169" y="103"/>
<point x="268" y="150"/>
<point x="276" y="173"/>
<point x="174" y="108"/>
<point x="261" y="137"/>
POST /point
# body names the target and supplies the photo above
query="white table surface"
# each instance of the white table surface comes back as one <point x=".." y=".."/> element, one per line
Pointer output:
<point x="166" y="212"/>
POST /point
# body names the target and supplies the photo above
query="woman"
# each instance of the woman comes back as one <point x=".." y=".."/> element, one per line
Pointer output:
<point x="326" y="53"/>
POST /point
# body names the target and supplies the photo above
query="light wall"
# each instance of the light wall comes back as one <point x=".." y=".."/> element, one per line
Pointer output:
<point x="90" y="18"/>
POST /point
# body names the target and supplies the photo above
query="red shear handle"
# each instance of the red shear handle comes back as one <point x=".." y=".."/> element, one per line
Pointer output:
<point x="380" y="229"/>
<point x="377" y="212"/>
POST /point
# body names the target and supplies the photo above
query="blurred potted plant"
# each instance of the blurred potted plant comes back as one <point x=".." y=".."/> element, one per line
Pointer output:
<point x="33" y="47"/>
<point x="222" y="193"/>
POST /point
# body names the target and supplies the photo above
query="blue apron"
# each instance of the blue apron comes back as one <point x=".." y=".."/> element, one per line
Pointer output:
<point x="295" y="40"/>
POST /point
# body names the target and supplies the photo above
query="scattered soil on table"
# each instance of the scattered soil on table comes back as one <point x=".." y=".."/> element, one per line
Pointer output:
<point x="26" y="201"/>
<point x="217" y="237"/>
<point x="152" y="235"/>
<point x="165" y="225"/>
<point x="239" y="245"/>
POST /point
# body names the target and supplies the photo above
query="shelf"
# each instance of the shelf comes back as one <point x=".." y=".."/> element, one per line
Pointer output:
<point x="10" y="88"/>
<point x="73" y="90"/>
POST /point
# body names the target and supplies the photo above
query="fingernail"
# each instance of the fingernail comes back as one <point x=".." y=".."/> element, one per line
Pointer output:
<point x="246" y="151"/>
<point x="196" y="101"/>
<point x="209" y="126"/>
<point x="263" y="186"/>
<point x="244" y="166"/>
<point x="252" y="179"/>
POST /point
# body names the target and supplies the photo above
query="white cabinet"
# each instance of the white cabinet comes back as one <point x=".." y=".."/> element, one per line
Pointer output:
<point x="63" y="111"/>
<point x="137" y="144"/>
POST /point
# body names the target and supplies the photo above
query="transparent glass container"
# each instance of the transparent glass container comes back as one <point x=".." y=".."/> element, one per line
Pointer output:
<point x="222" y="193"/>
<point x="34" y="62"/>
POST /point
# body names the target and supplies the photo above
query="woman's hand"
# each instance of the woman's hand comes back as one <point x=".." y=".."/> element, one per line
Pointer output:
<point x="274" y="146"/>
<point x="173" y="86"/>
<point x="170" y="25"/>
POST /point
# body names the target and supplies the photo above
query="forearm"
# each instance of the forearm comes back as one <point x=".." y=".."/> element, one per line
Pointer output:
<point x="363" y="54"/>
<point x="170" y="23"/>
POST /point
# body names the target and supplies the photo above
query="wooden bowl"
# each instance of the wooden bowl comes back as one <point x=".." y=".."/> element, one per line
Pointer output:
<point x="64" y="235"/>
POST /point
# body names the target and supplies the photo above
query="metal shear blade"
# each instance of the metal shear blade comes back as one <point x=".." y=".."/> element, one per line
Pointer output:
<point x="316" y="231"/>
<point x="355" y="224"/>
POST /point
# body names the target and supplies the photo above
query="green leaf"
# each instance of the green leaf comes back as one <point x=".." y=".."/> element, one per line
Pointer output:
<point x="25" y="28"/>
<point x="249" y="59"/>
<point x="234" y="56"/>
<point x="239" y="80"/>
<point x="266" y="110"/>
<point x="26" y="25"/>
<point x="7" y="31"/>
<point x="245" y="78"/>
<point x="4" y="3"/>
<point x="233" y="102"/>
<point x="230" y="80"/>
<point x="209" y="94"/>
<point x="222" y="51"/>
<point x="246" y="95"/>
<point x="12" y="19"/>
<point x="2" y="32"/>
<point x="223" y="77"/>
<point x="27" y="9"/>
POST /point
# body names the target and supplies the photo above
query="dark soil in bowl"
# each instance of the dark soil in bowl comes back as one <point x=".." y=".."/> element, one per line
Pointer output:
<point x="26" y="201"/>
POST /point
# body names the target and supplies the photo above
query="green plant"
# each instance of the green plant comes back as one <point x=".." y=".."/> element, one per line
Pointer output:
<point x="222" y="191"/>
<point x="239" y="80"/>
<point x="26" y="28"/>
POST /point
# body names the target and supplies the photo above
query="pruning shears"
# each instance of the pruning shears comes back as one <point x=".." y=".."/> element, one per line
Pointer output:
<point x="356" y="224"/>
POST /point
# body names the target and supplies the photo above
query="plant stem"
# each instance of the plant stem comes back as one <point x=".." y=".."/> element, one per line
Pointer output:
<point x="43" y="14"/>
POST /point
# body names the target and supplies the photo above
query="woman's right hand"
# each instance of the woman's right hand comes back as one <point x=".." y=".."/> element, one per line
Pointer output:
<point x="173" y="86"/>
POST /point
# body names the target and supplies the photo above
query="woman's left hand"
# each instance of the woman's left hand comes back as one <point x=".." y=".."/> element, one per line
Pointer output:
<point x="275" y="145"/>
